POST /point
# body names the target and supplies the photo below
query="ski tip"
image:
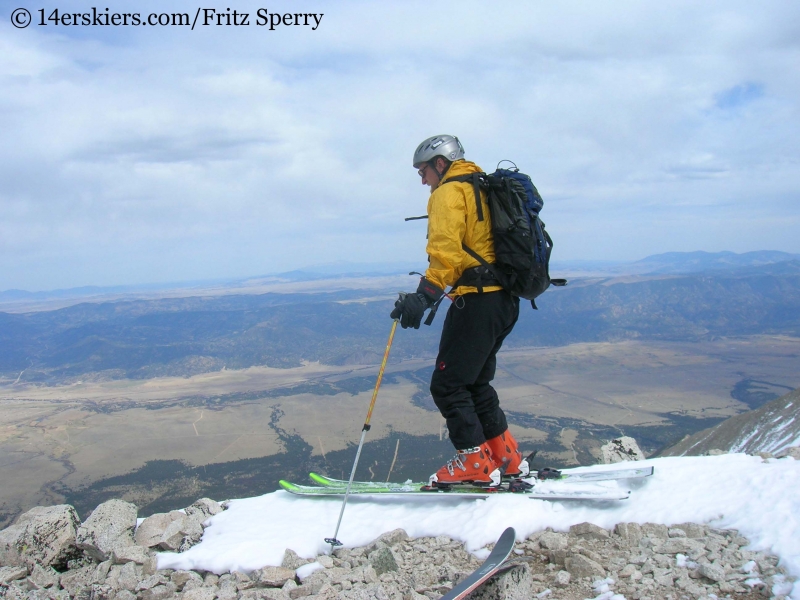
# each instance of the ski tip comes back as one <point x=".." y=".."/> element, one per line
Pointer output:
<point x="288" y="486"/>
<point x="318" y="478"/>
<point x="509" y="535"/>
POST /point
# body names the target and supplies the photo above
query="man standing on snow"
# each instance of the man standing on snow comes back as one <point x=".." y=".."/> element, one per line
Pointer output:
<point x="480" y="318"/>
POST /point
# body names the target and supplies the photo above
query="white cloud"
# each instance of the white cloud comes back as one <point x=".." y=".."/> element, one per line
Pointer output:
<point x="133" y="155"/>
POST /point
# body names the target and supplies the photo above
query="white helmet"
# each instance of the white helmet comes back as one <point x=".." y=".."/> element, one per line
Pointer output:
<point x="446" y="146"/>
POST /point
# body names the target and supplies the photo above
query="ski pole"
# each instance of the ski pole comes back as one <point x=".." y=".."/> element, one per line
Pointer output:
<point x="332" y="540"/>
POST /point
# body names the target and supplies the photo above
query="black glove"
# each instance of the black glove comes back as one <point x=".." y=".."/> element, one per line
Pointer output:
<point x="409" y="308"/>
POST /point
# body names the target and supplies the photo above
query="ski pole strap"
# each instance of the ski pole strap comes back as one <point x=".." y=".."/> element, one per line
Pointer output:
<point x="434" y="308"/>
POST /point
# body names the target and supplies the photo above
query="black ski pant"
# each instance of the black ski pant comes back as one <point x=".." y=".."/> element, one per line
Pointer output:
<point x="474" y="330"/>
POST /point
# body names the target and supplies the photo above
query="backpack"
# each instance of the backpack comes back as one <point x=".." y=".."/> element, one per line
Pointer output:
<point x="522" y="246"/>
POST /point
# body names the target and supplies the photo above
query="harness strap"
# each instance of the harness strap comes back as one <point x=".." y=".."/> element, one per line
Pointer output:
<point x="477" y="276"/>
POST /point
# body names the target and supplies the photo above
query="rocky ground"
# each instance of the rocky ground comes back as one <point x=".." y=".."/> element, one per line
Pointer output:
<point x="49" y="554"/>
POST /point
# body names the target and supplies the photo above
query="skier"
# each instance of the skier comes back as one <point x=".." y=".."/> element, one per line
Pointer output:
<point x="479" y="319"/>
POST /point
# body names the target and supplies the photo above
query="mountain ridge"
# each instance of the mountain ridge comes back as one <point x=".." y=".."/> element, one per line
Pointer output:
<point x="772" y="428"/>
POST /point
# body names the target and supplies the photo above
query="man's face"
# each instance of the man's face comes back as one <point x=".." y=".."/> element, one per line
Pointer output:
<point x="429" y="176"/>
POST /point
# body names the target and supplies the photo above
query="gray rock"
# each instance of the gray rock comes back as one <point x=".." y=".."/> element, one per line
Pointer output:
<point x="326" y="561"/>
<point x="514" y="584"/>
<point x="9" y="574"/>
<point x="692" y="530"/>
<point x="125" y="577"/>
<point x="582" y="566"/>
<point x="110" y="526"/>
<point x="391" y="538"/>
<point x="674" y="546"/>
<point x="206" y="507"/>
<point x="315" y="581"/>
<point x="273" y="594"/>
<point x="589" y="530"/>
<point x="125" y="595"/>
<point x="44" y="535"/>
<point x="663" y="578"/>
<point x="243" y="582"/>
<point x="655" y="531"/>
<point x="590" y="554"/>
<point x="151" y="581"/>
<point x="77" y="581"/>
<point x="562" y="579"/>
<point x="715" y="452"/>
<point x="793" y="451"/>
<point x="126" y="554"/>
<point x="151" y="566"/>
<point x="713" y="572"/>
<point x="41" y="577"/>
<point x="299" y="592"/>
<point x="200" y="593"/>
<point x="621" y="449"/>
<point x="557" y="557"/>
<point x="630" y="532"/>
<point x="273" y="576"/>
<point x="181" y="578"/>
<point x="339" y="575"/>
<point x="676" y="532"/>
<point x="101" y="591"/>
<point x="291" y="560"/>
<point x="181" y="534"/>
<point x="159" y="592"/>
<point x="553" y="541"/>
<point x="151" y="531"/>
<point x="689" y="586"/>
<point x="382" y="560"/>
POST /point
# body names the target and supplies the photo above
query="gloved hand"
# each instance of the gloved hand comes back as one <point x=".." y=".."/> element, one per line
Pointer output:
<point x="409" y="308"/>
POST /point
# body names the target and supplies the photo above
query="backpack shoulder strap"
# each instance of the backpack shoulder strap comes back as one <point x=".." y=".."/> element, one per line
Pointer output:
<point x="475" y="178"/>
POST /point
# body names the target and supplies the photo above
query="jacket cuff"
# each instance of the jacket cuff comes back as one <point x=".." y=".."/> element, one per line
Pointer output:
<point x="431" y="291"/>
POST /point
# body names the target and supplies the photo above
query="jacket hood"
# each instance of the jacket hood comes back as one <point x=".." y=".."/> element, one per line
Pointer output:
<point x="461" y="167"/>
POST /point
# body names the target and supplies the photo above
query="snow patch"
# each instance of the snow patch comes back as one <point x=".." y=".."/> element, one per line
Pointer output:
<point x="731" y="491"/>
<point x="304" y="571"/>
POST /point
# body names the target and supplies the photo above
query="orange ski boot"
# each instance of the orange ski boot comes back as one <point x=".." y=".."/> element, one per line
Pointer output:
<point x="473" y="465"/>
<point x="505" y="450"/>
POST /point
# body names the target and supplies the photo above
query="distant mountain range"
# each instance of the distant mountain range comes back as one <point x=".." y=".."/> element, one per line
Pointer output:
<point x="188" y="335"/>
<point x="667" y="263"/>
<point x="676" y="263"/>
<point x="771" y="428"/>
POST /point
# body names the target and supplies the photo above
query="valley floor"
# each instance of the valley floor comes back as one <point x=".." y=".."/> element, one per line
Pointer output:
<point x="159" y="441"/>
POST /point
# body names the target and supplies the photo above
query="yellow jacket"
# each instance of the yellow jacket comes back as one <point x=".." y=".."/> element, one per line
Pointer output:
<point x="453" y="219"/>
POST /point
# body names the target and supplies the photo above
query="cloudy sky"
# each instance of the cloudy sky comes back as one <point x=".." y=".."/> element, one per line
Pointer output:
<point x="152" y="154"/>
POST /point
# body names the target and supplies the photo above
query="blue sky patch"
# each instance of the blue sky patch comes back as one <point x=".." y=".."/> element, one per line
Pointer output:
<point x="739" y="95"/>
